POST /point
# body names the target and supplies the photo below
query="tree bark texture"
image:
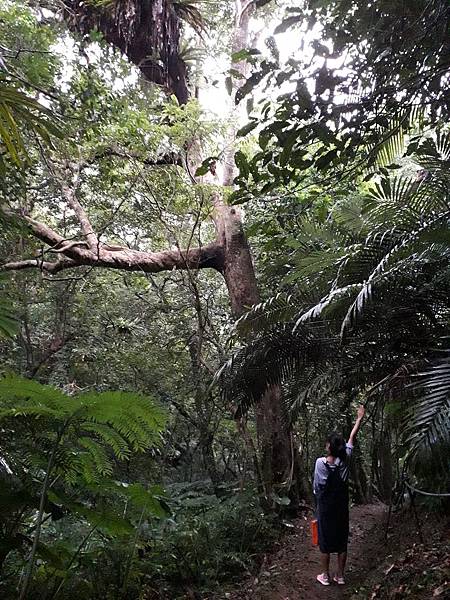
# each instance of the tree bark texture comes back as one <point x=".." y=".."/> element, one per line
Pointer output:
<point x="147" y="32"/>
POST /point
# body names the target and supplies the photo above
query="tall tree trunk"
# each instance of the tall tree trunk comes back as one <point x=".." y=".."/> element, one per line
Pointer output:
<point x="274" y="438"/>
<point x="206" y="440"/>
<point x="357" y="472"/>
<point x="274" y="442"/>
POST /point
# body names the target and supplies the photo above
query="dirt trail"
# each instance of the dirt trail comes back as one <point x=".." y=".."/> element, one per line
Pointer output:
<point x="290" y="573"/>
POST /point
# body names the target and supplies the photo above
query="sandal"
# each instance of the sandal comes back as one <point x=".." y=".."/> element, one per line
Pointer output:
<point x="339" y="580"/>
<point x="323" y="579"/>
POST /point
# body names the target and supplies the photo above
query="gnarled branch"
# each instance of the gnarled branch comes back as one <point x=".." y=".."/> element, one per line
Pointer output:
<point x="209" y="256"/>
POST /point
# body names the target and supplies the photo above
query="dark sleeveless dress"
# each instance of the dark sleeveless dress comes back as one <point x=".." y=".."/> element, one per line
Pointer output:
<point x="332" y="512"/>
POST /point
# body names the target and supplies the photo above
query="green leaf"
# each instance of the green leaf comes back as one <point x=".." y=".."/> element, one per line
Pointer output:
<point x="323" y="161"/>
<point x="244" y="54"/>
<point x="247" y="128"/>
<point x="147" y="499"/>
<point x="242" y="164"/>
<point x="287" y="23"/>
<point x="206" y="166"/>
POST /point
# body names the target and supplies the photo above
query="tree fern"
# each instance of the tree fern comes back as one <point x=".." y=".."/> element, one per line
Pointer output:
<point x="99" y="423"/>
<point x="71" y="442"/>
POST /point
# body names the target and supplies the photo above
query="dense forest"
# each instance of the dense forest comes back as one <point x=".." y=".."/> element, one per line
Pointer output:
<point x="223" y="226"/>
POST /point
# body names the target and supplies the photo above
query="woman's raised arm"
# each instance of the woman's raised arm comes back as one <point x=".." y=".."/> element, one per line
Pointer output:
<point x="357" y="425"/>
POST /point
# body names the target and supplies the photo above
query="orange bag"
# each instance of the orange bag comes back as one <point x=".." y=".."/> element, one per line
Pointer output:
<point x="315" y="532"/>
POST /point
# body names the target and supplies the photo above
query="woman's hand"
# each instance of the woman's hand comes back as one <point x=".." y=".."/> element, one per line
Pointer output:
<point x="357" y="425"/>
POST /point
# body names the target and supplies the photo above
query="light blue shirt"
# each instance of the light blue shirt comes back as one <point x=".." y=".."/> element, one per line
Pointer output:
<point x="321" y="470"/>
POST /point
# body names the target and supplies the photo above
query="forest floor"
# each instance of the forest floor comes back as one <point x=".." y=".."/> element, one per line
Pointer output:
<point x="395" y="567"/>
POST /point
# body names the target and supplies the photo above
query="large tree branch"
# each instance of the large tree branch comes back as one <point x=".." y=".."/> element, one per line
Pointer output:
<point x="85" y="224"/>
<point x="210" y="256"/>
<point x="33" y="263"/>
<point x="42" y="231"/>
<point x="69" y="192"/>
<point x="169" y="159"/>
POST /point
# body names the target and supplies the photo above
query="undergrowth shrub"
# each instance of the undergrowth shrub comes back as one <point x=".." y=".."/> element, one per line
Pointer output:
<point x="207" y="543"/>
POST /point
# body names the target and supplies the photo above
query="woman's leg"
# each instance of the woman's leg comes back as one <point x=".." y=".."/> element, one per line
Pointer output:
<point x="342" y="559"/>
<point x="325" y="560"/>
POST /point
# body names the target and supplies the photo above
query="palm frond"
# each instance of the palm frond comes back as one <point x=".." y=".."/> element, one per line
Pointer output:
<point x="19" y="112"/>
<point x="188" y="12"/>
<point x="315" y="385"/>
<point x="386" y="267"/>
<point x="270" y="359"/>
<point x="391" y="136"/>
<point x="427" y="420"/>
<point x="267" y="314"/>
<point x="328" y="301"/>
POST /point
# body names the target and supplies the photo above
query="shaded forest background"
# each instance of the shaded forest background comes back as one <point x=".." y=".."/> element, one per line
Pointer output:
<point x="223" y="226"/>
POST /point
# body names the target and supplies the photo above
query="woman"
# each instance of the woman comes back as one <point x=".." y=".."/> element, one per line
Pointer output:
<point x="331" y="491"/>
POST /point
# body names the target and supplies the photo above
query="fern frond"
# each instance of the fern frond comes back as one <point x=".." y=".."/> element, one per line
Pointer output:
<point x="26" y="394"/>
<point x="102" y="517"/>
<point x="94" y="459"/>
<point x="109" y="437"/>
<point x="132" y="415"/>
<point x="117" y="422"/>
